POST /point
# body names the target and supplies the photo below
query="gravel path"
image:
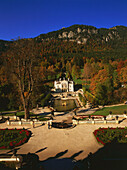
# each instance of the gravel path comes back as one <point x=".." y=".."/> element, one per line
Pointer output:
<point x="115" y="105"/>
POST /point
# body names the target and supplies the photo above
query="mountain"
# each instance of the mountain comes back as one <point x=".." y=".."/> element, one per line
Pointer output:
<point x="4" y="45"/>
<point x="79" y="41"/>
<point x="84" y="33"/>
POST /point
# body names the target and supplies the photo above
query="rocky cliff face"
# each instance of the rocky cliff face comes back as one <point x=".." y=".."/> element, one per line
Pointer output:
<point x="83" y="33"/>
<point x="80" y="35"/>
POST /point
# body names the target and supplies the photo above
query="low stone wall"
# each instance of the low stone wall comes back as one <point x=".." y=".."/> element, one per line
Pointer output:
<point x="92" y="116"/>
<point x="77" y="122"/>
<point x="10" y="117"/>
<point x="27" y="122"/>
<point x="114" y="116"/>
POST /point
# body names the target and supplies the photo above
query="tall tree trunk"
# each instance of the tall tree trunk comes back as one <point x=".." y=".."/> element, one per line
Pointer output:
<point x="25" y="106"/>
<point x="25" y="102"/>
<point x="26" y="116"/>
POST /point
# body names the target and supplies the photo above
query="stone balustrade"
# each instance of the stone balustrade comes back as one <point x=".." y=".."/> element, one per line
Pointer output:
<point x="26" y="122"/>
<point x="77" y="122"/>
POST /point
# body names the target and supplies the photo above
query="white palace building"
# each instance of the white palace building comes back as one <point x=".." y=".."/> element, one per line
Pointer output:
<point x="64" y="85"/>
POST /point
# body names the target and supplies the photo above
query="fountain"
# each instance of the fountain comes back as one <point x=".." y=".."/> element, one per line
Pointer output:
<point x="61" y="125"/>
<point x="64" y="103"/>
<point x="63" y="106"/>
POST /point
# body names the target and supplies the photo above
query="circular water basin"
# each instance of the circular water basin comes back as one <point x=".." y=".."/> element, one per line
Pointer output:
<point x="64" y="105"/>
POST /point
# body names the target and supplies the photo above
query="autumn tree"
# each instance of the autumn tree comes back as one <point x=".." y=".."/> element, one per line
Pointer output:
<point x="101" y="77"/>
<point x="120" y="65"/>
<point x="102" y="86"/>
<point x="76" y="72"/>
<point x="87" y="71"/>
<point x="23" y="68"/>
<point x="123" y="75"/>
<point x="116" y="80"/>
<point x="109" y="89"/>
<point x="43" y="72"/>
<point x="68" y="69"/>
<point x="101" y="94"/>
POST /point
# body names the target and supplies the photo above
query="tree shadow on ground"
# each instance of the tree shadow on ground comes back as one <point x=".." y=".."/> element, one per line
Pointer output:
<point x="58" y="155"/>
<point x="57" y="163"/>
<point x="63" y="114"/>
<point x="76" y="154"/>
<point x="120" y="121"/>
<point x="36" y="126"/>
<point x="12" y="150"/>
<point x="83" y="110"/>
<point x="45" y="113"/>
<point x="113" y="156"/>
<point x="40" y="150"/>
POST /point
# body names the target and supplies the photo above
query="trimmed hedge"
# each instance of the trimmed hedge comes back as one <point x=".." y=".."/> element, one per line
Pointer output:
<point x="108" y="135"/>
<point x="10" y="138"/>
<point x="84" y="117"/>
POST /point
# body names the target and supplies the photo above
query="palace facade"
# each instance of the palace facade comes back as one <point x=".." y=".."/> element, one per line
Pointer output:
<point x="64" y="85"/>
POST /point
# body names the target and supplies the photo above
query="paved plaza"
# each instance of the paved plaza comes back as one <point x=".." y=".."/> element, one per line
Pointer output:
<point x="49" y="142"/>
<point x="61" y="144"/>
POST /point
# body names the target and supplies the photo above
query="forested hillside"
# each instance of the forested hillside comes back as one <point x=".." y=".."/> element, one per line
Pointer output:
<point x="82" y="40"/>
<point x="94" y="58"/>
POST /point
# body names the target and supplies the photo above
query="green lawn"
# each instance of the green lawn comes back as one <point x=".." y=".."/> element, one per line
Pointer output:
<point x="32" y="115"/>
<point x="115" y="110"/>
<point x="13" y="114"/>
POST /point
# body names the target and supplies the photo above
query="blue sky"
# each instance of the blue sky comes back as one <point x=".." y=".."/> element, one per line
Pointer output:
<point x="30" y="18"/>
